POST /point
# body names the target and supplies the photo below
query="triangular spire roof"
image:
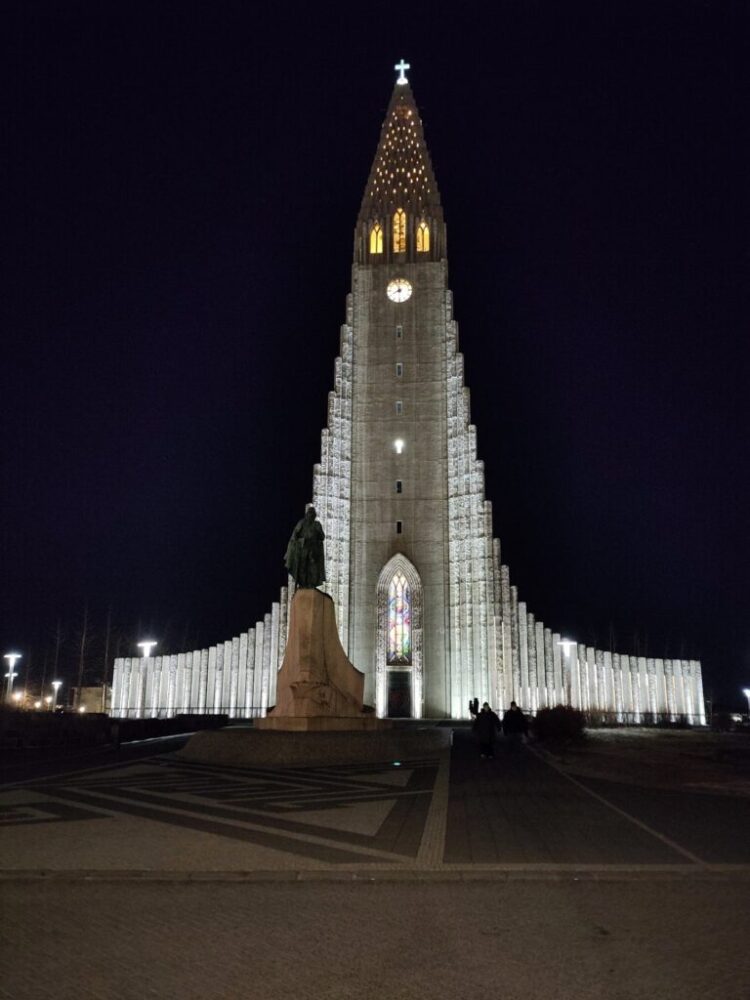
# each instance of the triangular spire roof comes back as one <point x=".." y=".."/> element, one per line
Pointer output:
<point x="401" y="175"/>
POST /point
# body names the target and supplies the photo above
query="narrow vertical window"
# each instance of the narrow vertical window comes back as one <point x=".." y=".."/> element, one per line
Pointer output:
<point x="399" y="486"/>
<point x="399" y="407"/>
<point x="399" y="527"/>
<point x="399" y="332"/>
<point x="399" y="369"/>
<point x="376" y="239"/>
<point x="423" y="238"/>
<point x="399" y="621"/>
<point x="399" y="231"/>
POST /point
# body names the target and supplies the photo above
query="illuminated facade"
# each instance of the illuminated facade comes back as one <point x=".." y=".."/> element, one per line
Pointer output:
<point x="424" y="605"/>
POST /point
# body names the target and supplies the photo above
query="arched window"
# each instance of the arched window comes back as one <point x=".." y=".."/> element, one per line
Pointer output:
<point x="423" y="238"/>
<point x="399" y="231"/>
<point x="376" y="239"/>
<point x="399" y="622"/>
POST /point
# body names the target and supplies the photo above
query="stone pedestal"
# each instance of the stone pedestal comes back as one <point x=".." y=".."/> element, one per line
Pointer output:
<point x="317" y="688"/>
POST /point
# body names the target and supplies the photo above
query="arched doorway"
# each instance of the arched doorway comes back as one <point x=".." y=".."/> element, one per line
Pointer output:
<point x="398" y="679"/>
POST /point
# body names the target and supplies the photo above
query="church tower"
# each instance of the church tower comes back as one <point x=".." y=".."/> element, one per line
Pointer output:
<point x="424" y="606"/>
<point x="412" y="571"/>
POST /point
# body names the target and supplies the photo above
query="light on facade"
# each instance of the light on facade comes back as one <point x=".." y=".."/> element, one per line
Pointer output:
<point x="147" y="645"/>
<point x="398" y="444"/>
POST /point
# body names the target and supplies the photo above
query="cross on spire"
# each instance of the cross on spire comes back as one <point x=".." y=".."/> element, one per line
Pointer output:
<point x="401" y="66"/>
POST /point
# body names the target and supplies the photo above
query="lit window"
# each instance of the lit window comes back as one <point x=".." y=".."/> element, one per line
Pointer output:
<point x="399" y="231"/>
<point x="399" y="407"/>
<point x="376" y="239"/>
<point x="423" y="238"/>
<point x="399" y="369"/>
<point x="399" y="527"/>
<point x="398" y="444"/>
<point x="399" y="619"/>
<point x="399" y="486"/>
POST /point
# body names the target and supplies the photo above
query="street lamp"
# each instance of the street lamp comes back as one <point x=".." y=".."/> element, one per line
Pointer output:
<point x="12" y="659"/>
<point x="48" y="701"/>
<point x="147" y="645"/>
<point x="56" y="686"/>
<point x="746" y="692"/>
<point x="37" y="704"/>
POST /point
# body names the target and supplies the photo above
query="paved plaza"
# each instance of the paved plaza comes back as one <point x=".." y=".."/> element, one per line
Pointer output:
<point x="154" y="876"/>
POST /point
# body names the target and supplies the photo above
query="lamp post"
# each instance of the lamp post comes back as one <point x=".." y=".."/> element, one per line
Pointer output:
<point x="12" y="659"/>
<point x="146" y="645"/>
<point x="56" y="685"/>
<point x="746" y="692"/>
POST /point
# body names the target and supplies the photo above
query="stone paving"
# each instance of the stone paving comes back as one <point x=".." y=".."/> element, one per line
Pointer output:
<point x="161" y="877"/>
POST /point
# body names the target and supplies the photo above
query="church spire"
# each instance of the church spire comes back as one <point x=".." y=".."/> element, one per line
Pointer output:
<point x="401" y="210"/>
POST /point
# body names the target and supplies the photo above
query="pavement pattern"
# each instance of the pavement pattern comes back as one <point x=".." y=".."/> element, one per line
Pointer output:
<point x="443" y="876"/>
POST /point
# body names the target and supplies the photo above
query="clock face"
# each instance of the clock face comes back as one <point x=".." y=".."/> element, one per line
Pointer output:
<point x="399" y="290"/>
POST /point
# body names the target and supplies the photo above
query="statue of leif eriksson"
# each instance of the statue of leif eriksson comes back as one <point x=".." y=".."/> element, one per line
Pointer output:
<point x="304" y="554"/>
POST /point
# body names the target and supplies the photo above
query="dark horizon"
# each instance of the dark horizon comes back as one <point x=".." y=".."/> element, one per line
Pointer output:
<point x="183" y="189"/>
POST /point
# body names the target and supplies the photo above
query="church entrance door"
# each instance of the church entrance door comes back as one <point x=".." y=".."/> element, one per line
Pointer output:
<point x="399" y="694"/>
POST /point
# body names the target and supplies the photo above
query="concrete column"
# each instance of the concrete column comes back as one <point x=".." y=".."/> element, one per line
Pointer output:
<point x="211" y="680"/>
<point x="521" y="689"/>
<point x="258" y="680"/>
<point x="660" y="687"/>
<point x="549" y="667"/>
<point x="234" y="677"/>
<point x="266" y="678"/>
<point x="531" y="653"/>
<point x="608" y="692"/>
<point x="621" y="682"/>
<point x="515" y="638"/>
<point x="591" y="669"/>
<point x="250" y="675"/>
<point x="541" y="669"/>
<point x="242" y="675"/>
<point x="601" y="690"/>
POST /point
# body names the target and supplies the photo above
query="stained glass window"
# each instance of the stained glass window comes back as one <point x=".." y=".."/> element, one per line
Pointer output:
<point x="399" y="621"/>
<point x="376" y="239"/>
<point x="399" y="231"/>
<point x="423" y="238"/>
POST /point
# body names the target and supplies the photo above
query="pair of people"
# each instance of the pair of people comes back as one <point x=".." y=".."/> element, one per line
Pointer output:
<point x="487" y="724"/>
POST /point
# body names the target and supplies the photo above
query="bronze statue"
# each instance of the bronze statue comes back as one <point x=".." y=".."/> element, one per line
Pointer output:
<point x="304" y="553"/>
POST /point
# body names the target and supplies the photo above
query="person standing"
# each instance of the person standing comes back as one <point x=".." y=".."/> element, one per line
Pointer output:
<point x="515" y="726"/>
<point x="485" y="726"/>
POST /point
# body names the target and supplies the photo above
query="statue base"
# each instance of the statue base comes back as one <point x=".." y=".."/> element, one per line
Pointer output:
<point x="317" y="688"/>
<point x="322" y="723"/>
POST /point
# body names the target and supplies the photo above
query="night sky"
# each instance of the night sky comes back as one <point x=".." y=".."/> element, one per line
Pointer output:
<point x="181" y="184"/>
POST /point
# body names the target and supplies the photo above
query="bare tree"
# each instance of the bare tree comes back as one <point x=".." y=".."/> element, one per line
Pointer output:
<point x="105" y="666"/>
<point x="85" y="637"/>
